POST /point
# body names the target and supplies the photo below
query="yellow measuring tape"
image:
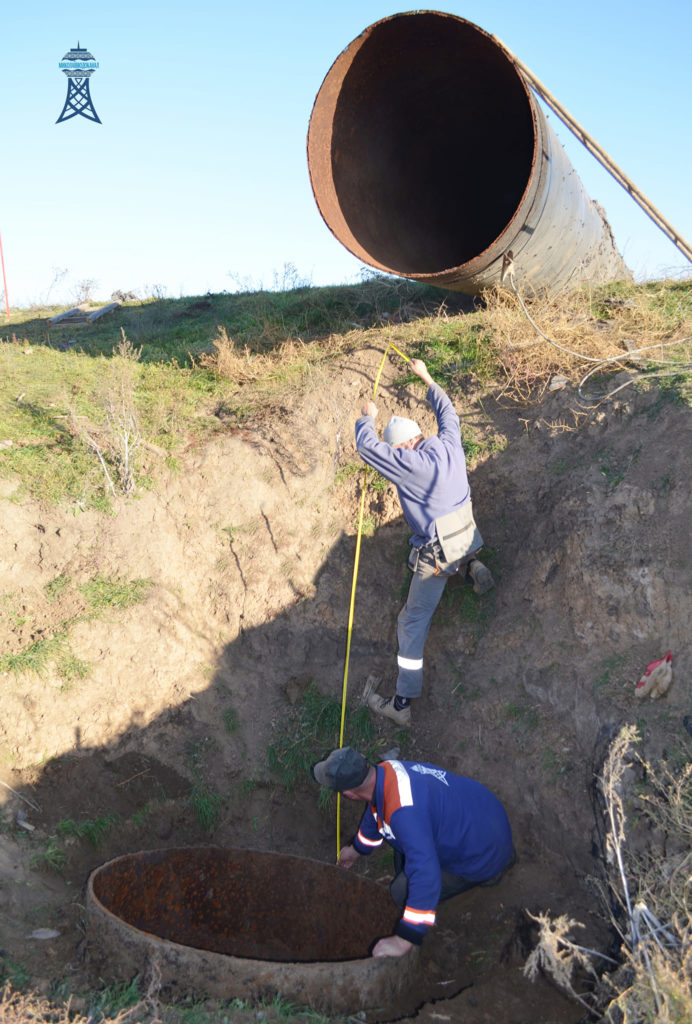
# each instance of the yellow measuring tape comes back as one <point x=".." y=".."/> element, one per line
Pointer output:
<point x="353" y="598"/>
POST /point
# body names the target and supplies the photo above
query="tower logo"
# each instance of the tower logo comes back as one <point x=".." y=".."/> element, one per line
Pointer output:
<point x="79" y="65"/>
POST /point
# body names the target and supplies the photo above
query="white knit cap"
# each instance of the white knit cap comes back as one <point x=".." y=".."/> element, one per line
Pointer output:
<point x="399" y="430"/>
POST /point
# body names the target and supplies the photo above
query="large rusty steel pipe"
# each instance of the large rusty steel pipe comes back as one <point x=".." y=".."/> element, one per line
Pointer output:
<point x="430" y="158"/>
<point x="249" y="924"/>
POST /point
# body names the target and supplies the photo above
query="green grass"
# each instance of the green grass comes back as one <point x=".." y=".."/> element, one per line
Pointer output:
<point x="139" y="816"/>
<point x="207" y="806"/>
<point x="54" y="649"/>
<point x="464" y="693"/>
<point x="14" y="972"/>
<point x="368" y="525"/>
<point x="555" y="764"/>
<point x="460" y="605"/>
<point x="611" y="667"/>
<point x="110" y="1001"/>
<point x="231" y="720"/>
<point x="57" y="587"/>
<point x="615" y="470"/>
<point x="41" y="395"/>
<point x="455" y="350"/>
<point x="50" y="858"/>
<point x="673" y="391"/>
<point x="475" y="449"/>
<point x="181" y="330"/>
<point x="120" y="997"/>
<point x="37" y="657"/>
<point x="376" y="481"/>
<point x="524" y="719"/>
<point x="204" y="801"/>
<point x="95" y="830"/>
<point x="50" y="388"/>
<point x="70" y="667"/>
<point x="114" y="592"/>
<point x="309" y="730"/>
<point x="669" y="301"/>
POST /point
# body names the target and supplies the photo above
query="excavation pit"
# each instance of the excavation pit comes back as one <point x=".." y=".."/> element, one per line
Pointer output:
<point x="231" y="923"/>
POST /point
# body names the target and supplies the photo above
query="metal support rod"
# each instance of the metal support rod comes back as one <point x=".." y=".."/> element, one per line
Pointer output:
<point x="603" y="158"/>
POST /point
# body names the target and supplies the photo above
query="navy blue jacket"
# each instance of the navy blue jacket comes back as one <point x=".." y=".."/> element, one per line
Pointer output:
<point x="440" y="822"/>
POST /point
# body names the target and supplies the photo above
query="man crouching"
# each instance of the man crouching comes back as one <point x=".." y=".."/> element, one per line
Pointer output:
<point x="449" y="834"/>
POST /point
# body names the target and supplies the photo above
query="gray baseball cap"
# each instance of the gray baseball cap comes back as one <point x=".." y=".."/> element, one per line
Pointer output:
<point x="343" y="769"/>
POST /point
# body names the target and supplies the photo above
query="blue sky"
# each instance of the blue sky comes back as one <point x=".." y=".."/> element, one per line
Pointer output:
<point x="197" y="178"/>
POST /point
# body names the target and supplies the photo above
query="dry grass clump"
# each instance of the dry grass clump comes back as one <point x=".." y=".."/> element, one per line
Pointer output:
<point x="571" y="332"/>
<point x="288" y="362"/>
<point x="146" y="1008"/>
<point x="20" y="1008"/>
<point x="558" y="955"/>
<point x="657" y="994"/>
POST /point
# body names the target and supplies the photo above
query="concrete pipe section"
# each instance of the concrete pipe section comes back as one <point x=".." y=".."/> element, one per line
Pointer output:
<point x="430" y="158"/>
<point x="229" y="923"/>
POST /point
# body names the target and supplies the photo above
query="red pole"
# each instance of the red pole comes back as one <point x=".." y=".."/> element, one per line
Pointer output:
<point x="4" y="280"/>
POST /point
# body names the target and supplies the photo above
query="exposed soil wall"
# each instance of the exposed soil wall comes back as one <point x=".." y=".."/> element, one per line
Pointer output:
<point x="249" y="550"/>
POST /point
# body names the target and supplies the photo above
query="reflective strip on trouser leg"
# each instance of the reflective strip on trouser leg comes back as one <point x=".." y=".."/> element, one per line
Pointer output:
<point x="412" y="629"/>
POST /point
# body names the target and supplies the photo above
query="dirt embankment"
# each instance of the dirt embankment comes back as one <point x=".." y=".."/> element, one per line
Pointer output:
<point x="249" y="550"/>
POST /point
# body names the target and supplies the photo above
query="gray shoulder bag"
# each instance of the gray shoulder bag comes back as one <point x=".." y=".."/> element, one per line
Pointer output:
<point x="458" y="534"/>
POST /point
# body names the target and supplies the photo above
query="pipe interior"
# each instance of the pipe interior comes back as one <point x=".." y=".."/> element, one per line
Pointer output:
<point x="247" y="903"/>
<point x="432" y="143"/>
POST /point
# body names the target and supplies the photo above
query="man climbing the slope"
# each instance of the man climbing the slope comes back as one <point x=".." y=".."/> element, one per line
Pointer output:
<point x="430" y="477"/>
<point x="449" y="834"/>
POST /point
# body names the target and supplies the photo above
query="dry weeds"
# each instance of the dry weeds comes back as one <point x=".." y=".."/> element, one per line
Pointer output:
<point x="575" y="332"/>
<point x="19" y="1008"/>
<point x="558" y="955"/>
<point x="654" y="981"/>
<point x="272" y="372"/>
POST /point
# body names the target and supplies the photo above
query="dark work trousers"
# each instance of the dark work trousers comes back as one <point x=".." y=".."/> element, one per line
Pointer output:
<point x="452" y="885"/>
<point x="413" y="624"/>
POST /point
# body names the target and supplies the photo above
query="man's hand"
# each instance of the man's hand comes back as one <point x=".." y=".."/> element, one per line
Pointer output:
<point x="392" y="945"/>
<point x="348" y="856"/>
<point x="369" y="409"/>
<point x="420" y="369"/>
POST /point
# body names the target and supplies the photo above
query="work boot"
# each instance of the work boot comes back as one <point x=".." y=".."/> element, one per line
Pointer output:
<point x="385" y="706"/>
<point x="481" y="576"/>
